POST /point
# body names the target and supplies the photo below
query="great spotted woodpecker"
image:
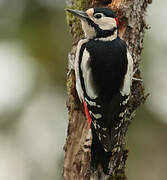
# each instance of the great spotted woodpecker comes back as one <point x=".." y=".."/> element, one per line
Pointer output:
<point x="103" y="70"/>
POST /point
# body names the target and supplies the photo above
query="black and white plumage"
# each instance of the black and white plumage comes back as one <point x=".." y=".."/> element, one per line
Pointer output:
<point x="103" y="70"/>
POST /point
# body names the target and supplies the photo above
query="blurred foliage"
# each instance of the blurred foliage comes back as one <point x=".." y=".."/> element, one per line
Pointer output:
<point x="44" y="31"/>
<point x="47" y="39"/>
<point x="45" y="34"/>
<point x="147" y="146"/>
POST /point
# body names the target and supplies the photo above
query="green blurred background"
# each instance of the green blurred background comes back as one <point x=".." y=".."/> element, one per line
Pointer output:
<point x="34" y="44"/>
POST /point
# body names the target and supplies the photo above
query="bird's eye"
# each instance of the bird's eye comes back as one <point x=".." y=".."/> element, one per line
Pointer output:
<point x="98" y="16"/>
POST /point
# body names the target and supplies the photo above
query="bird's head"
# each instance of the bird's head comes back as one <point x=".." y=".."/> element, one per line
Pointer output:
<point x="97" y="22"/>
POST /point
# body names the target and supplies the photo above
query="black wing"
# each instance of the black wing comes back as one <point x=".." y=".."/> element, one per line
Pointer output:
<point x="108" y="63"/>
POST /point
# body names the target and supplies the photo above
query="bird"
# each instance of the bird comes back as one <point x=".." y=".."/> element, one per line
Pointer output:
<point x="104" y="72"/>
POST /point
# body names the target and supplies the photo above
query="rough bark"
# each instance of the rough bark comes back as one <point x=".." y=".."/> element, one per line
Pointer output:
<point x="131" y="14"/>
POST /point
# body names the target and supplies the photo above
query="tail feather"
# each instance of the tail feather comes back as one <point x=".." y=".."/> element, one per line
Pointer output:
<point x="98" y="155"/>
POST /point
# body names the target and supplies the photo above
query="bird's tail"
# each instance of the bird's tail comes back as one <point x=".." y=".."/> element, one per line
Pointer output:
<point x="98" y="154"/>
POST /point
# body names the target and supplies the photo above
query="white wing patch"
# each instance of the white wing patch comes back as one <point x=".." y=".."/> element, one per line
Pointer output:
<point x="76" y="66"/>
<point x="87" y="75"/>
<point x="128" y="76"/>
<point x="91" y="103"/>
<point x="97" y="116"/>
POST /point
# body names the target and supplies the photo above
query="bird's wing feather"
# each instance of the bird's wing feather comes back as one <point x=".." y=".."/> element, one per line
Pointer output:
<point x="101" y="73"/>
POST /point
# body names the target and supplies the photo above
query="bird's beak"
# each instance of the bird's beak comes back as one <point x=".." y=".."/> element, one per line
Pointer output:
<point x="80" y="14"/>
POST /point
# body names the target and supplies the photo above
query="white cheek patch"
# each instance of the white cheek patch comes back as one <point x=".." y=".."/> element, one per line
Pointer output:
<point x="106" y="23"/>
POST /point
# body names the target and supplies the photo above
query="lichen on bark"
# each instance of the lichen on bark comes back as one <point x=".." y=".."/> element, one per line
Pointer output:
<point x="74" y="22"/>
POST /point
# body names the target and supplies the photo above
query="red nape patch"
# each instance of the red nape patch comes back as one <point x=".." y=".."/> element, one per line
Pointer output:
<point x="117" y="21"/>
<point x="87" y="114"/>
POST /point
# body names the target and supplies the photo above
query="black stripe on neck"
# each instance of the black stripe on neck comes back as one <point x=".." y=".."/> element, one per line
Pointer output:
<point x="80" y="71"/>
<point x="99" y="32"/>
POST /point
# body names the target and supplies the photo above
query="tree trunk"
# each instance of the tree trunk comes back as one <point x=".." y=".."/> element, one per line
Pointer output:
<point x="131" y="14"/>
